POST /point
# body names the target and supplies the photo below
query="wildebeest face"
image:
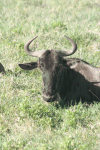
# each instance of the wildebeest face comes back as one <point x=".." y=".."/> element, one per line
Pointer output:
<point x="49" y="66"/>
<point x="48" y="63"/>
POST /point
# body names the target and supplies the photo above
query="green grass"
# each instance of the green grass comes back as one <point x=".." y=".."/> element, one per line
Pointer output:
<point x="27" y="122"/>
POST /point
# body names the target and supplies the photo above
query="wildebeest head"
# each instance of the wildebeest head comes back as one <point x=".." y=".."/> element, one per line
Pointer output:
<point x="50" y="63"/>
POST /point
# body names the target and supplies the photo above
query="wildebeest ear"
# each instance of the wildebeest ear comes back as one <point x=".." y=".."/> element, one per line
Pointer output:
<point x="73" y="65"/>
<point x="29" y="66"/>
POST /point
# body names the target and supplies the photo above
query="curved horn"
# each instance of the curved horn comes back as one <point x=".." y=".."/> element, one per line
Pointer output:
<point x="32" y="53"/>
<point x="68" y="53"/>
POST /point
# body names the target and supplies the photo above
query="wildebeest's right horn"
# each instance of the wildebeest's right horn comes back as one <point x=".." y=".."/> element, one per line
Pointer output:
<point x="68" y="53"/>
<point x="32" y="53"/>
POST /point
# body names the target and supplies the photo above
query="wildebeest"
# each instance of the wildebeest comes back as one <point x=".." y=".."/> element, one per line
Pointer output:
<point x="65" y="78"/>
<point x="2" y="68"/>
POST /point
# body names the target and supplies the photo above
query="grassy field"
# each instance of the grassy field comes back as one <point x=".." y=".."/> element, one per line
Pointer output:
<point x="27" y="122"/>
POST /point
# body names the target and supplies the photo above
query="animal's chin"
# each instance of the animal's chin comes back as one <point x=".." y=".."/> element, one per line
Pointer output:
<point x="49" y="98"/>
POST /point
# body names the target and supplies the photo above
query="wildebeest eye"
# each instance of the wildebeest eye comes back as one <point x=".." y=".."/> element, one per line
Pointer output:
<point x="40" y="66"/>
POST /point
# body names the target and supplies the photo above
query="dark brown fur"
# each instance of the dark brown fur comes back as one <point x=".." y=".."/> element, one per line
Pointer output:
<point x="2" y="68"/>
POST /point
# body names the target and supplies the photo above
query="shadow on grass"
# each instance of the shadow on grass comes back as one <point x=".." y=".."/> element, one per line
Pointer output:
<point x="63" y="104"/>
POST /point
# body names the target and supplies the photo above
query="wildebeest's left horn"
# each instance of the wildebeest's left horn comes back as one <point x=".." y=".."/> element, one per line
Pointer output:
<point x="68" y="53"/>
<point x="32" y="53"/>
